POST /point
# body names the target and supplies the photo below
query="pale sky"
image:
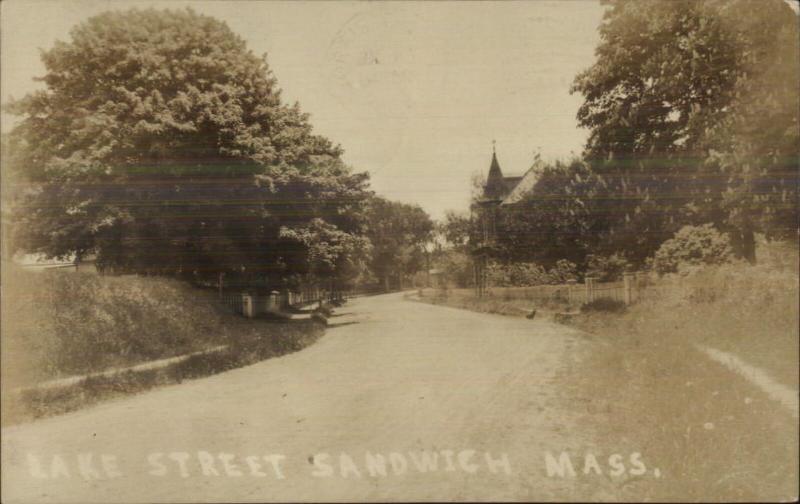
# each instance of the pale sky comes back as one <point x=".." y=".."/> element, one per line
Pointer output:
<point x="414" y="92"/>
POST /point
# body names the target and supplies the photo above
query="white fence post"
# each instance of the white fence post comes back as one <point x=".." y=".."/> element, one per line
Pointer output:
<point x="272" y="302"/>
<point x="589" y="289"/>
<point x="570" y="283"/>
<point x="248" y="310"/>
<point x="627" y="279"/>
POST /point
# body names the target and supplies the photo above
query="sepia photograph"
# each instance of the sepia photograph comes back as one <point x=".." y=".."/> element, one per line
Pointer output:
<point x="399" y="251"/>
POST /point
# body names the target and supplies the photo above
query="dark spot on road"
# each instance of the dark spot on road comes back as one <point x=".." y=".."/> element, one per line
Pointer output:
<point x="311" y="459"/>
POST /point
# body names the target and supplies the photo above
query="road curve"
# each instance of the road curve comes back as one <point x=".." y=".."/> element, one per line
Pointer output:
<point x="400" y="400"/>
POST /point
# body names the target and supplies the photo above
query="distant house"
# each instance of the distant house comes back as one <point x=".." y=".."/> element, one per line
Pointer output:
<point x="500" y="191"/>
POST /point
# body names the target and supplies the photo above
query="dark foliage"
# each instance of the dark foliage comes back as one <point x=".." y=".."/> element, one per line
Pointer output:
<point x="162" y="144"/>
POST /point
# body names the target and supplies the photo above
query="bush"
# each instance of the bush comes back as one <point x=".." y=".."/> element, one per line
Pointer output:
<point x="456" y="267"/>
<point x="693" y="246"/>
<point x="563" y="272"/>
<point x="516" y="274"/>
<point x="530" y="274"/>
<point x="606" y="268"/>
<point x="604" y="305"/>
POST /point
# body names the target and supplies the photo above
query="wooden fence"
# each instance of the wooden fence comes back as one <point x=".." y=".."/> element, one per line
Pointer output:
<point x="234" y="301"/>
<point x="250" y="305"/>
<point x="629" y="291"/>
<point x="305" y="296"/>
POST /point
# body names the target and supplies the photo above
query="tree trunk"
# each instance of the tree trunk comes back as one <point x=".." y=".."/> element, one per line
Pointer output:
<point x="744" y="243"/>
<point x="386" y="283"/>
<point x="749" y="245"/>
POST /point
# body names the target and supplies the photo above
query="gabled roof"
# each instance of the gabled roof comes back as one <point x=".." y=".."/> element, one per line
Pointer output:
<point x="511" y="182"/>
<point x="509" y="190"/>
<point x="525" y="184"/>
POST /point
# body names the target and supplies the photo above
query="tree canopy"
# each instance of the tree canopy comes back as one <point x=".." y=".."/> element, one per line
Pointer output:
<point x="161" y="143"/>
<point x="456" y="229"/>
<point x="398" y="233"/>
<point x="692" y="108"/>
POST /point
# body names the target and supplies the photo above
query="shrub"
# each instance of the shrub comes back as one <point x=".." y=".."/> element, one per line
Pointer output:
<point x="522" y="274"/>
<point x="516" y="274"/>
<point x="606" y="268"/>
<point x="693" y="246"/>
<point x="456" y="267"/>
<point x="604" y="305"/>
<point x="563" y="272"/>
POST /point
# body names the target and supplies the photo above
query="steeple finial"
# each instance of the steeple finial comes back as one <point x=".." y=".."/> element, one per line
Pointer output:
<point x="494" y="150"/>
<point x="494" y="187"/>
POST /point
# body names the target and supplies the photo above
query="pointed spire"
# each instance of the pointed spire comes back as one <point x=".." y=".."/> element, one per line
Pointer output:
<point x="494" y="182"/>
<point x="494" y="168"/>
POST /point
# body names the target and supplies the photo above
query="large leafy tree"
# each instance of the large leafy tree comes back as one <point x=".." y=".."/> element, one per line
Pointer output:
<point x="398" y="233"/>
<point x="692" y="107"/>
<point x="756" y="145"/>
<point x="456" y="230"/>
<point x="331" y="254"/>
<point x="162" y="144"/>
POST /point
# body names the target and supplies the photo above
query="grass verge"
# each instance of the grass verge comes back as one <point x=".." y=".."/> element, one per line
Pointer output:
<point x="251" y="342"/>
<point x="57" y="324"/>
<point x="511" y="301"/>
<point x="644" y="385"/>
<point x="713" y="435"/>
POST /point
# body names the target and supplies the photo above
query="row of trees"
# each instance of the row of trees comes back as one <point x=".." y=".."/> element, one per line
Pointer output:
<point x="692" y="108"/>
<point x="162" y="145"/>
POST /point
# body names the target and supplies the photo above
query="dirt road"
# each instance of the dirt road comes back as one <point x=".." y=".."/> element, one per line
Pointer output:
<point x="400" y="400"/>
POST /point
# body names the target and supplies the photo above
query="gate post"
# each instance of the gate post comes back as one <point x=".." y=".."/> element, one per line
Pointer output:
<point x="570" y="283"/>
<point x="248" y="310"/>
<point x="273" y="303"/>
<point x="627" y="279"/>
<point x="589" y="289"/>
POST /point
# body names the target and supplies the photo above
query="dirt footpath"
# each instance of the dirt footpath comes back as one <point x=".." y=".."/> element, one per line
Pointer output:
<point x="400" y="400"/>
